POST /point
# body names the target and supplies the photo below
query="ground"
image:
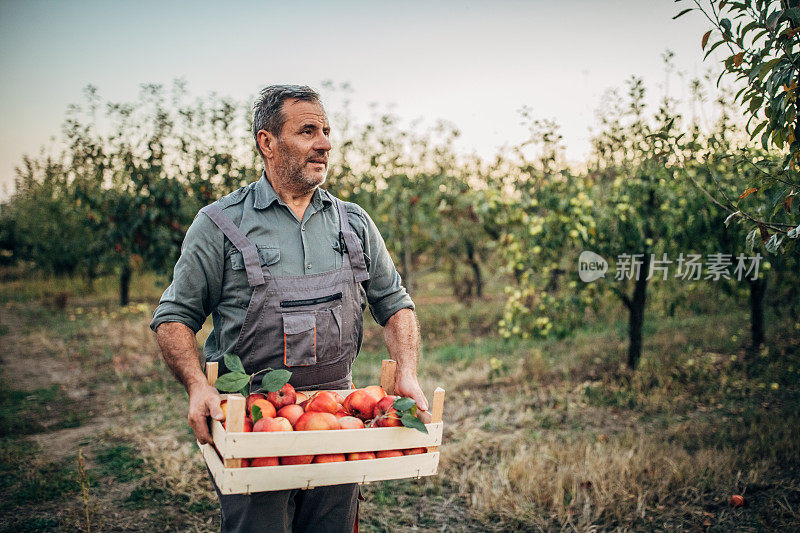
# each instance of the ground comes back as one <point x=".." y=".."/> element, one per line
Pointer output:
<point x="540" y="435"/>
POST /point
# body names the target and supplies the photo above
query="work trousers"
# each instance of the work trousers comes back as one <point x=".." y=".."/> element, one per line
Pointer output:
<point x="329" y="509"/>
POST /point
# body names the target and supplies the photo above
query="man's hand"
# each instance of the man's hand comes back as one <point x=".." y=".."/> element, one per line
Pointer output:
<point x="406" y="384"/>
<point x="204" y="401"/>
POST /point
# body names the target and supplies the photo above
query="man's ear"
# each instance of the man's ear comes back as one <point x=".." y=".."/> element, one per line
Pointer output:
<point x="266" y="142"/>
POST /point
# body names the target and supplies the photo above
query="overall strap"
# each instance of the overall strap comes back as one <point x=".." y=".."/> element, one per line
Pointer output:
<point x="353" y="245"/>
<point x="255" y="276"/>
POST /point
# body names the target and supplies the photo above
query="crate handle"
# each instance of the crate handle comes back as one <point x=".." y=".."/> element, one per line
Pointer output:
<point x="388" y="370"/>
<point x="212" y="372"/>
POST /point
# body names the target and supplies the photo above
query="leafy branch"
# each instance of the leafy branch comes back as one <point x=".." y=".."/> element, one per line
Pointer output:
<point x="238" y="380"/>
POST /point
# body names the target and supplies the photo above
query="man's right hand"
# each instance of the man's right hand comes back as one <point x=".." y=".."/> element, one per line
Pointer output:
<point x="204" y="401"/>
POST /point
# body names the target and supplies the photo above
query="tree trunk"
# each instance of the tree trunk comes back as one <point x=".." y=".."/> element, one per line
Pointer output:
<point x="124" y="285"/>
<point x="636" y="314"/>
<point x="476" y="269"/>
<point x="758" y="287"/>
<point x="91" y="276"/>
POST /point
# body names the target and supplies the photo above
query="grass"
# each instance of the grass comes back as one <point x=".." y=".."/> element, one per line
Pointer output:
<point x="28" y="478"/>
<point x="540" y="435"/>
<point x="24" y="412"/>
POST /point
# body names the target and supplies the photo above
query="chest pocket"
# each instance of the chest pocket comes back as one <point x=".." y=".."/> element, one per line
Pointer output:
<point x="267" y="255"/>
<point x="237" y="287"/>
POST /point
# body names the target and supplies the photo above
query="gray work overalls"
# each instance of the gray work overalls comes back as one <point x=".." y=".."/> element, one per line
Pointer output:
<point x="310" y="325"/>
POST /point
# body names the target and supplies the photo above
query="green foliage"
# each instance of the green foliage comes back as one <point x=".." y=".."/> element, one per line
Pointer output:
<point x="274" y="380"/>
<point x="407" y="411"/>
<point x="238" y="380"/>
<point x="762" y="40"/>
<point x="232" y="381"/>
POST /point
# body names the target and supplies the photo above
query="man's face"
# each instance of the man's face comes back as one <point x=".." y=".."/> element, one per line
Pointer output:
<point x="301" y="152"/>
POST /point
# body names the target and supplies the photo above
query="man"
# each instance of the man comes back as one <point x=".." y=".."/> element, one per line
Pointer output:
<point x="286" y="271"/>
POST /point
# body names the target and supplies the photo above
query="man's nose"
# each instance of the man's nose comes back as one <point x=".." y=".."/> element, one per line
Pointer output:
<point x="322" y="143"/>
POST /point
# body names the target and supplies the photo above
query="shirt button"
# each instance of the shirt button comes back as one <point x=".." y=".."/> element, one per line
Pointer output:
<point x="302" y="228"/>
<point x="308" y="266"/>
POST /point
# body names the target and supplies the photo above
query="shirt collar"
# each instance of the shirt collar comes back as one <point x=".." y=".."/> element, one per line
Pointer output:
<point x="266" y="195"/>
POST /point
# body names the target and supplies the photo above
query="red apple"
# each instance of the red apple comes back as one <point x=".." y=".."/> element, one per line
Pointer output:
<point x="388" y="453"/>
<point x="248" y="403"/>
<point x="296" y="459"/>
<point x="375" y="390"/>
<point x="291" y="413"/>
<point x="323" y="402"/>
<point x="385" y="414"/>
<point x="360" y="404"/>
<point x="283" y="397"/>
<point x="414" y="451"/>
<point x="337" y="397"/>
<point x="351" y="422"/>
<point x="330" y="458"/>
<point x="358" y="456"/>
<point x="267" y="409"/>
<point x="273" y="424"/>
<point x="316" y="421"/>
<point x="300" y="397"/>
<point x="264" y="461"/>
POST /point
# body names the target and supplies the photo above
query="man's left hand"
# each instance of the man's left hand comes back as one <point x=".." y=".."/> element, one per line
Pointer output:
<point x="408" y="386"/>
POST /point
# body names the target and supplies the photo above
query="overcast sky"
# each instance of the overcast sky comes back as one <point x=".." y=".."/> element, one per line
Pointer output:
<point x="471" y="63"/>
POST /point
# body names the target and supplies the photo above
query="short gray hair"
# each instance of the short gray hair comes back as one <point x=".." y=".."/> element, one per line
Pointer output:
<point x="268" y="109"/>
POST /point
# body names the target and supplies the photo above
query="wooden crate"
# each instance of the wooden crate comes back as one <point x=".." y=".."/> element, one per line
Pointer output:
<point x="224" y="462"/>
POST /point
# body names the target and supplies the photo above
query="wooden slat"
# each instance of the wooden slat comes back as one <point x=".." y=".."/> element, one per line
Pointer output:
<point x="213" y="461"/>
<point x="212" y="371"/>
<point x="234" y="422"/>
<point x="437" y="411"/>
<point x="280" y="443"/>
<point x="219" y="435"/>
<point x="388" y="370"/>
<point x="247" y="480"/>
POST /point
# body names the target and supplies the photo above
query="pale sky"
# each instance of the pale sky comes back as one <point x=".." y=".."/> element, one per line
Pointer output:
<point x="471" y="63"/>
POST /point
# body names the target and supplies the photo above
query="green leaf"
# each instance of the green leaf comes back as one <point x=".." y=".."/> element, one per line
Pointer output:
<point x="682" y="13"/>
<point x="410" y="421"/>
<point x="232" y="381"/>
<point x="725" y="24"/>
<point x="772" y="19"/>
<point x="404" y="404"/>
<point x="233" y="363"/>
<point x="255" y="413"/>
<point x="275" y="379"/>
<point x="758" y="129"/>
<point x="793" y="13"/>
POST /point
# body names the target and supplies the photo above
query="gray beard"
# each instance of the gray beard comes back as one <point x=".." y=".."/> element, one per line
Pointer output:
<point x="295" y="180"/>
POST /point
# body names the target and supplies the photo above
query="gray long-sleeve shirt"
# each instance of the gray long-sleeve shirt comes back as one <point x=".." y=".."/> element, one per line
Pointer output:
<point x="210" y="278"/>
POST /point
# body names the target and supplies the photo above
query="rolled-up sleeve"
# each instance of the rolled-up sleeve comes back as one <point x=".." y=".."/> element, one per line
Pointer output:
<point x="197" y="279"/>
<point x="386" y="294"/>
